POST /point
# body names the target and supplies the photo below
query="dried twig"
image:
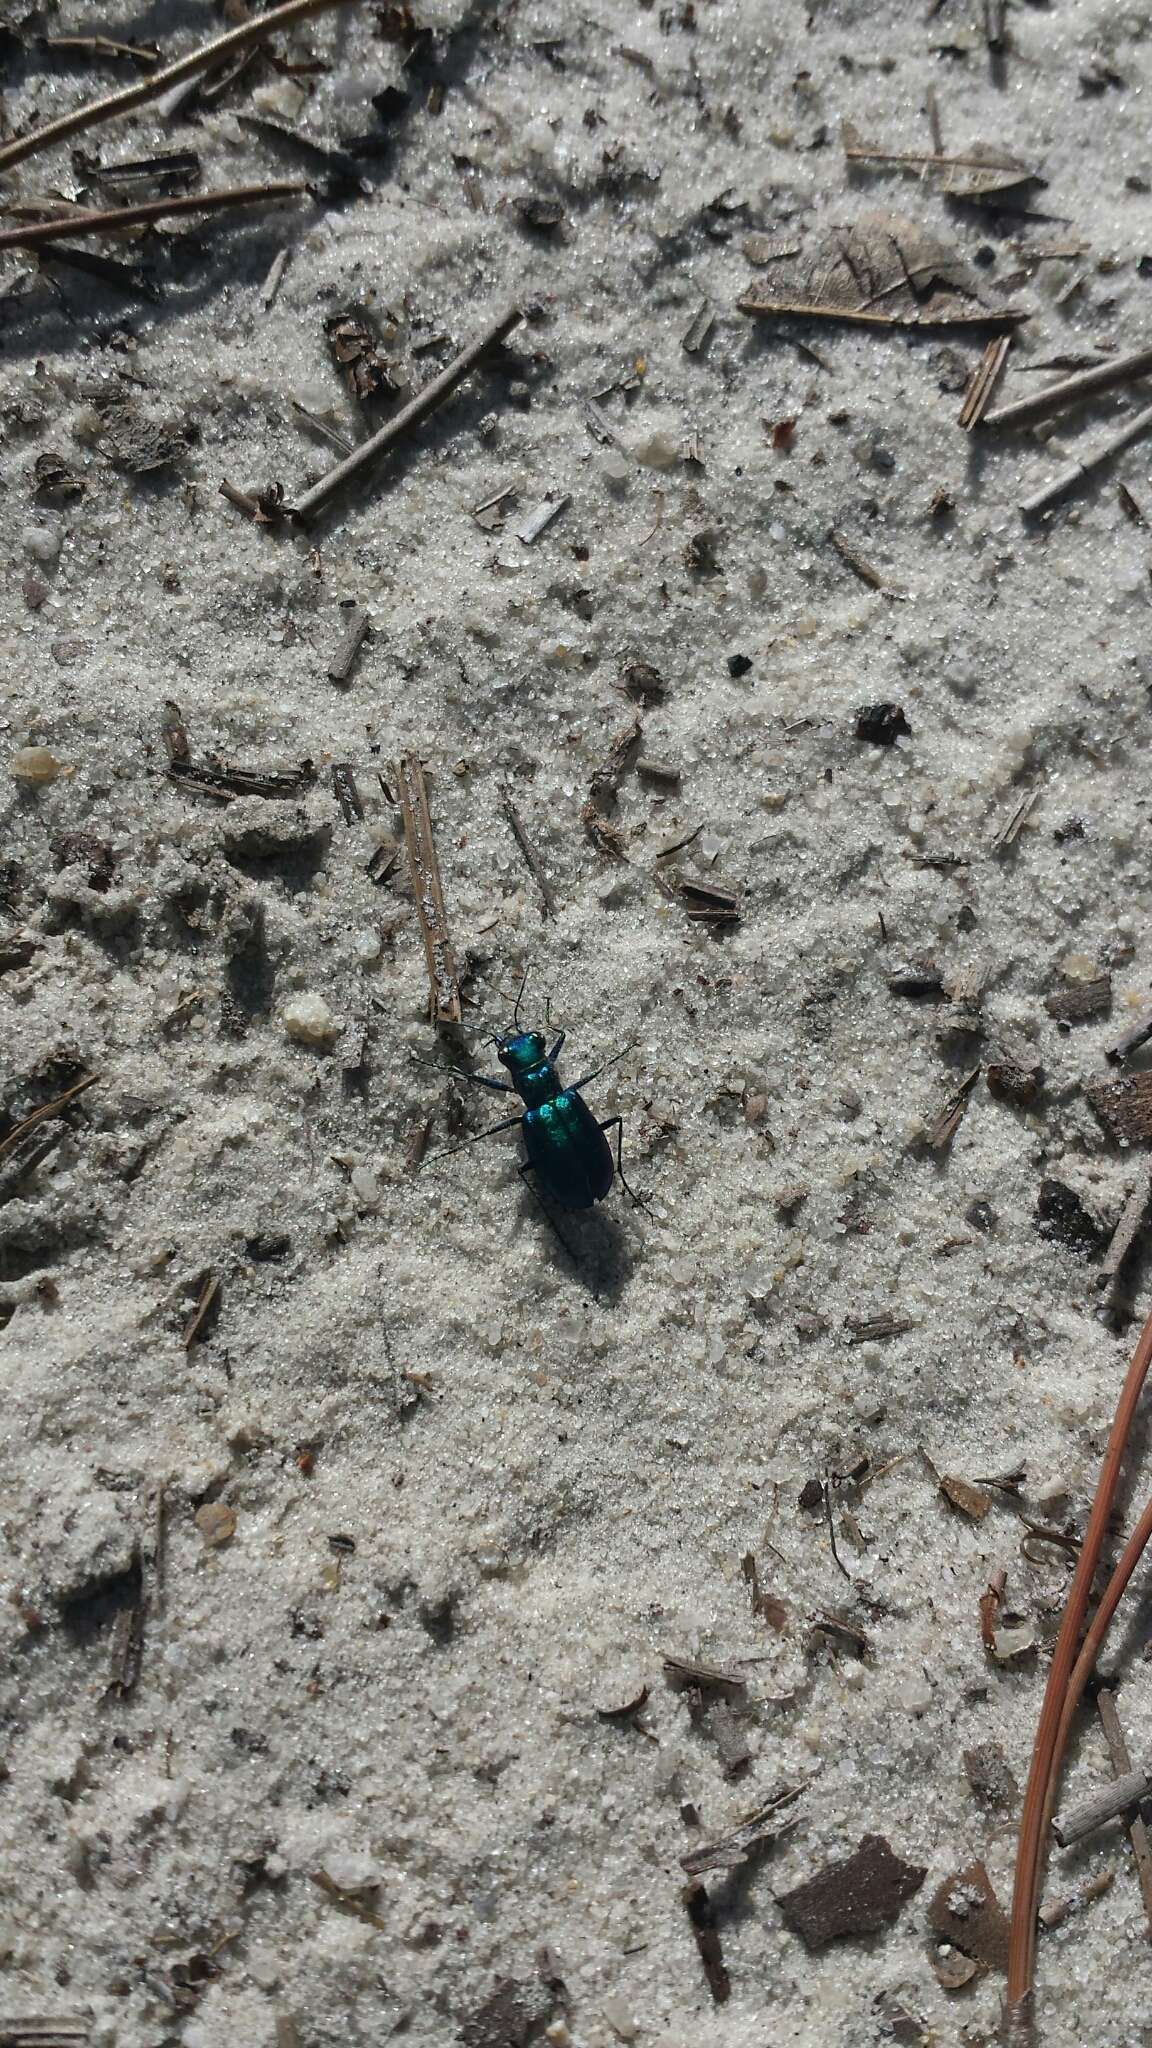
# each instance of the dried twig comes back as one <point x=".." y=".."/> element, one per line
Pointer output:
<point x="1121" y="1763"/>
<point x="47" y="1109"/>
<point x="206" y="1302"/>
<point x="209" y="54"/>
<point x="409" y="416"/>
<point x="1105" y="1804"/>
<point x="531" y="857"/>
<point x="445" y="1007"/>
<point x="1067" y="479"/>
<point x="345" y="792"/>
<point x="1127" y="1230"/>
<point x="105" y="223"/>
<point x="1020" y="412"/>
<point x="344" y="660"/>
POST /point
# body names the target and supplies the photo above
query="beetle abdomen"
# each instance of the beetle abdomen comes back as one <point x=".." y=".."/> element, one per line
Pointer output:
<point x="567" y="1148"/>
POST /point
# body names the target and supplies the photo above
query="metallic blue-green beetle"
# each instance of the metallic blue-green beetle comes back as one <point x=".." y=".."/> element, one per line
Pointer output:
<point x="566" y="1146"/>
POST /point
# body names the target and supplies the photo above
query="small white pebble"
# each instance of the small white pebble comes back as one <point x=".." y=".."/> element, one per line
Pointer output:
<point x="308" y="1020"/>
<point x="916" y="1695"/>
<point x="43" y="543"/>
<point x="34" y="764"/>
<point x="367" y="946"/>
<point x="619" y="2019"/>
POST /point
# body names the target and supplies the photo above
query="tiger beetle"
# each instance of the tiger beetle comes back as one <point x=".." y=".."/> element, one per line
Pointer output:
<point x="566" y="1146"/>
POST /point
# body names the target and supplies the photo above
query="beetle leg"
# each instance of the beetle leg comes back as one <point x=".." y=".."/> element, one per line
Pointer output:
<point x="477" y="1080"/>
<point x="636" y="1200"/>
<point x="555" y="1052"/>
<point x="602" y="1068"/>
<point x="507" y="1125"/>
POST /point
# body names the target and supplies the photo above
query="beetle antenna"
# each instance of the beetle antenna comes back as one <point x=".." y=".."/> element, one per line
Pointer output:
<point x="519" y="999"/>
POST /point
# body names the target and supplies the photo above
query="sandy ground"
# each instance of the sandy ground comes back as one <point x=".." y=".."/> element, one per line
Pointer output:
<point x="437" y="1490"/>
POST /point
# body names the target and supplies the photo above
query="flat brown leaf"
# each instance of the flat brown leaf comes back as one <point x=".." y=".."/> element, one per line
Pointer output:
<point x="882" y="270"/>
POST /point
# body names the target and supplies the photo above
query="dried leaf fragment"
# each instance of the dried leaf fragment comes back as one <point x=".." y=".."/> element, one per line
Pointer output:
<point x="966" y="1913"/>
<point x="884" y="271"/>
<point x="968" y="1499"/>
<point x="858" y="1895"/>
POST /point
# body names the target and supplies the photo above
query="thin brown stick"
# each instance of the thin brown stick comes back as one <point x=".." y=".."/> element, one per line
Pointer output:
<point x="75" y="224"/>
<point x="1066" y="1677"/>
<point x="408" y="417"/>
<point x="531" y="857"/>
<point x="150" y="88"/>
<point x="1070" y="390"/>
<point x="444" y="1005"/>
<point x="46" y="1110"/>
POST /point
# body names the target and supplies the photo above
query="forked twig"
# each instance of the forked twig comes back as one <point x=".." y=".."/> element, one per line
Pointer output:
<point x="158" y="82"/>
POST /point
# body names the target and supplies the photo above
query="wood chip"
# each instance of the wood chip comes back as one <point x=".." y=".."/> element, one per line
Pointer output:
<point x="539" y="518"/>
<point x="859" y="1895"/>
<point x="1080" y="1000"/>
<point x="1124" y="1107"/>
<point x="867" y="1329"/>
<point x="693" y="340"/>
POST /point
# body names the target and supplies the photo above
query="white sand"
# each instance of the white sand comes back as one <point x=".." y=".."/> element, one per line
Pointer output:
<point x="551" y="1472"/>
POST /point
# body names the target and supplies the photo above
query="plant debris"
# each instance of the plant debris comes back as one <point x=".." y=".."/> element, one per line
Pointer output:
<point x="882" y="724"/>
<point x="858" y="1895"/>
<point x="966" y="1914"/>
<point x="755" y="1832"/>
<point x="970" y="1500"/>
<point x="983" y="174"/>
<point x="424" y="869"/>
<point x="990" y="1776"/>
<point x="1124" y="1107"/>
<point x="1078" y="1001"/>
<point x="702" y="1918"/>
<point x="1062" y="1216"/>
<point x="884" y="271"/>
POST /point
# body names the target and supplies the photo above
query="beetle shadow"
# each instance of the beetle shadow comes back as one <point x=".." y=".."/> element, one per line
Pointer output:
<point x="590" y="1244"/>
